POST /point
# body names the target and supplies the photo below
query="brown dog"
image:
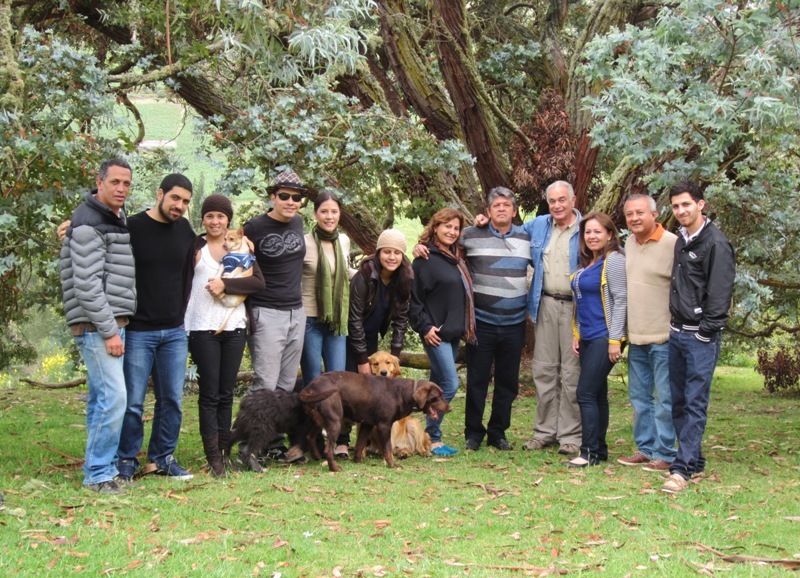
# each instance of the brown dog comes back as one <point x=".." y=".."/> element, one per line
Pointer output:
<point x="373" y="401"/>
<point x="408" y="435"/>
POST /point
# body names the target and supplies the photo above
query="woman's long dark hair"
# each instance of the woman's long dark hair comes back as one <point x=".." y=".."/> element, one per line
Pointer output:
<point x="585" y="255"/>
<point x="401" y="278"/>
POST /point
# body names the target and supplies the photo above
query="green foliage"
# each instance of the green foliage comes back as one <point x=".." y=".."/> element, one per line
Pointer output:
<point x="326" y="133"/>
<point x="710" y="90"/>
<point x="51" y="148"/>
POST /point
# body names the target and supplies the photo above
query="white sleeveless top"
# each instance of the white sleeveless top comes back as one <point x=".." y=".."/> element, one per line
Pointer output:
<point x="204" y="313"/>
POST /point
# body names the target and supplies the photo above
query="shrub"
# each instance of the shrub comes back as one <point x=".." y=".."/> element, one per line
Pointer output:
<point x="781" y="369"/>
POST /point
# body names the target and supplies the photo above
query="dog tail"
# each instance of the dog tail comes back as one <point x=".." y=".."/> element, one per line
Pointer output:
<point x="225" y="321"/>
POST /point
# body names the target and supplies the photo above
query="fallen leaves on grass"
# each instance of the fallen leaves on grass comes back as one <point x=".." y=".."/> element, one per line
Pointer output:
<point x="537" y="570"/>
<point x="740" y="559"/>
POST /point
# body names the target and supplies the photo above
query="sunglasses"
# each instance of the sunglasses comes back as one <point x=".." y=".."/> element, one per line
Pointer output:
<point x="297" y="197"/>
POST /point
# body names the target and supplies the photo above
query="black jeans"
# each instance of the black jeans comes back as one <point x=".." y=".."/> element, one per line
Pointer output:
<point x="593" y="398"/>
<point x="501" y="345"/>
<point x="218" y="358"/>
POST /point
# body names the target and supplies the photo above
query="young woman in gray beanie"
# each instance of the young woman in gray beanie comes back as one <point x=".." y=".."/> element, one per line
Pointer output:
<point x="380" y="293"/>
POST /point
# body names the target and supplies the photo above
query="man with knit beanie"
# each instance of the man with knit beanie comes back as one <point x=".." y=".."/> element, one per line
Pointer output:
<point x="279" y="320"/>
<point x="156" y="343"/>
<point x="649" y="254"/>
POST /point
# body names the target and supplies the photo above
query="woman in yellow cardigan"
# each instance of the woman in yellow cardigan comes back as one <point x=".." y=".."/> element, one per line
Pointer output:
<point x="599" y="288"/>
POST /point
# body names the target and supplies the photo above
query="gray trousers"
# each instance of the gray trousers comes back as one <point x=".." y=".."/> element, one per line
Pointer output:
<point x="276" y="344"/>
<point x="556" y="370"/>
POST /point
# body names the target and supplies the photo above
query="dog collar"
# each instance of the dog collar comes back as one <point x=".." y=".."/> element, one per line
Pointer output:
<point x="414" y="388"/>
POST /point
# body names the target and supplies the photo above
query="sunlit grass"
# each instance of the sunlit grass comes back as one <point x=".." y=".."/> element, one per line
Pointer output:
<point x="486" y="513"/>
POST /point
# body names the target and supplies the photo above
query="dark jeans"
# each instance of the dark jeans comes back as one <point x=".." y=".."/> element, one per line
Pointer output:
<point x="691" y="369"/>
<point x="218" y="358"/>
<point x="501" y="345"/>
<point x="593" y="398"/>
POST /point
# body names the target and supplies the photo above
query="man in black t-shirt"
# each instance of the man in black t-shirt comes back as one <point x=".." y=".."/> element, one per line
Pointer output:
<point x="279" y="320"/>
<point x="156" y="342"/>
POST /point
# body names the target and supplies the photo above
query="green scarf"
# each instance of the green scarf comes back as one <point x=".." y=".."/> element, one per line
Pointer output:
<point x="333" y="301"/>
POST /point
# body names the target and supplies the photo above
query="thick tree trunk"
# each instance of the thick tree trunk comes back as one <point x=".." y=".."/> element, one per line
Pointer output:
<point x="463" y="83"/>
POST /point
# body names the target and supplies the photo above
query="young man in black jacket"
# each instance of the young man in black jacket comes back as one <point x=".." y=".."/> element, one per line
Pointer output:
<point x="700" y="297"/>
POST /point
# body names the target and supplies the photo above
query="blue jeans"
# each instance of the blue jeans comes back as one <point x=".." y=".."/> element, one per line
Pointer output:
<point x="443" y="374"/>
<point x="501" y="346"/>
<point x="649" y="391"/>
<point x="593" y="398"/>
<point x="105" y="408"/>
<point x="691" y="369"/>
<point x="321" y="344"/>
<point x="163" y="354"/>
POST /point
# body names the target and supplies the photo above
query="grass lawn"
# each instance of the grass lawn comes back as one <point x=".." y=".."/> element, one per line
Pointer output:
<point x="484" y="513"/>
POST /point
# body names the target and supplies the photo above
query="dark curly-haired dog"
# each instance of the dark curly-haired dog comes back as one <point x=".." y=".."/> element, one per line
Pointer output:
<point x="262" y="415"/>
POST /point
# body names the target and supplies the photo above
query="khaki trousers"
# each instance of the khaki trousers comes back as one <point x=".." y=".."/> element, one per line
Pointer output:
<point x="556" y="370"/>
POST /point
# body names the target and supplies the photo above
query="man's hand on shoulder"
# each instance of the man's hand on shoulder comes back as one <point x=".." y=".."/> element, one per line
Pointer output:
<point x="61" y="231"/>
<point x="421" y="251"/>
<point x="481" y="220"/>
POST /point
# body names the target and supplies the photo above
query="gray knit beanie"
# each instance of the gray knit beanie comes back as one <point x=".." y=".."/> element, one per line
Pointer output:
<point x="391" y="239"/>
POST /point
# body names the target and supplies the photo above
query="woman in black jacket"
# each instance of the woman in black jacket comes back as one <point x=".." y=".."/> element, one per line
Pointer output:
<point x="380" y="292"/>
<point x="442" y="309"/>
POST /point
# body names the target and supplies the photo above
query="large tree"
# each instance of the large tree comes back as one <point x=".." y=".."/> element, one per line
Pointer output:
<point x="414" y="104"/>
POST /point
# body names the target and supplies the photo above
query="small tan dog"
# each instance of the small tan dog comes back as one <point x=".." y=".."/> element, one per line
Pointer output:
<point x="237" y="263"/>
<point x="408" y="435"/>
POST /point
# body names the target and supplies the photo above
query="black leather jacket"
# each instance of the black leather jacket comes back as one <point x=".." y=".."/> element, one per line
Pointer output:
<point x="702" y="282"/>
<point x="363" y="289"/>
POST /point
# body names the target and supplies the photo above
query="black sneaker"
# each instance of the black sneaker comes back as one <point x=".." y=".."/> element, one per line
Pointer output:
<point x="276" y="454"/>
<point x="170" y="468"/>
<point x="109" y="487"/>
<point x="125" y="483"/>
<point x="501" y="444"/>
<point x="472" y="445"/>
<point x="126" y="469"/>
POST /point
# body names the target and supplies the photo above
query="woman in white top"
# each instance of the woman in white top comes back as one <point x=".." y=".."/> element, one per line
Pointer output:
<point x="217" y="354"/>
<point x="326" y="291"/>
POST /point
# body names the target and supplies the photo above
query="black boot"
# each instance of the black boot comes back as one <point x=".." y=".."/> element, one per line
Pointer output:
<point x="225" y="450"/>
<point x="214" y="456"/>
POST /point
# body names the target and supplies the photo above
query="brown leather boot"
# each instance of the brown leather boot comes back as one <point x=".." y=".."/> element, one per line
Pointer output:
<point x="211" y="447"/>
<point x="224" y="443"/>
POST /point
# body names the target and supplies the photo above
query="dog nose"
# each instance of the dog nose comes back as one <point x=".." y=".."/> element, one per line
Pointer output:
<point x="384" y="373"/>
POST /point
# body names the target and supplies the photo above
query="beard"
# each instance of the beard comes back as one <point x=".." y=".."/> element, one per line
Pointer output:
<point x="169" y="217"/>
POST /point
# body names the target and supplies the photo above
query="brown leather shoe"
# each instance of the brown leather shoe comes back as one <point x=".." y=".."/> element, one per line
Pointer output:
<point x="656" y="465"/>
<point x="637" y="459"/>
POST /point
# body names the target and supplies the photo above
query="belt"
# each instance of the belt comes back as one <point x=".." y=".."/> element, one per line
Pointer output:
<point x="558" y="296"/>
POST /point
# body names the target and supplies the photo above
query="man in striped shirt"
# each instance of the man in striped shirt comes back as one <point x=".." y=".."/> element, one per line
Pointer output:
<point x="498" y="257"/>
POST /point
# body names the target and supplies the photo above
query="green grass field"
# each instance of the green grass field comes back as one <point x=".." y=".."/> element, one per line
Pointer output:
<point x="486" y="513"/>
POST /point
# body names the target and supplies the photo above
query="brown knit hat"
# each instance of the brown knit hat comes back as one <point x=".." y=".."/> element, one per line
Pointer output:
<point x="391" y="239"/>
<point x="286" y="180"/>
<point x="219" y="203"/>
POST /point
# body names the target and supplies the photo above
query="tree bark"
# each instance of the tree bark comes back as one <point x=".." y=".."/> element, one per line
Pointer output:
<point x="454" y="50"/>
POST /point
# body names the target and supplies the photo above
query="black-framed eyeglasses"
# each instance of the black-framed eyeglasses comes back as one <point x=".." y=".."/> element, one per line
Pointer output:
<point x="296" y="197"/>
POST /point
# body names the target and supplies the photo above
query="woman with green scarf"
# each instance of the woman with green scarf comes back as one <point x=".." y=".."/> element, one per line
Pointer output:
<point x="326" y="291"/>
